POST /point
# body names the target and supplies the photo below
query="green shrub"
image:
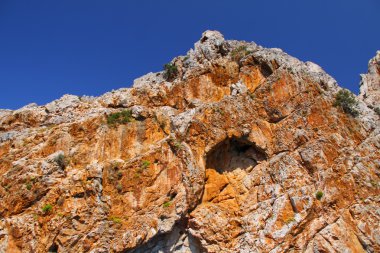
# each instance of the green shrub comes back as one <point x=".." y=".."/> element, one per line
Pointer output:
<point x="47" y="208"/>
<point x="115" y="219"/>
<point x="167" y="204"/>
<point x="145" y="164"/>
<point x="171" y="71"/>
<point x="28" y="186"/>
<point x="290" y="220"/>
<point x="122" y="117"/>
<point x="178" y="145"/>
<point x="238" y="53"/>
<point x="319" y="195"/>
<point x="347" y="101"/>
<point x="119" y="187"/>
<point x="61" y="160"/>
<point x="377" y="110"/>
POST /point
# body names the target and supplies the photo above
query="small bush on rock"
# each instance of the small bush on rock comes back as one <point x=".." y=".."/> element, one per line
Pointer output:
<point x="60" y="201"/>
<point x="176" y="144"/>
<point x="119" y="187"/>
<point x="171" y="71"/>
<point x="119" y="174"/>
<point x="28" y="186"/>
<point x="115" y="219"/>
<point x="61" y="160"/>
<point x="145" y="164"/>
<point x="319" y="195"/>
<point x="290" y="220"/>
<point x="238" y="53"/>
<point x="347" y="101"/>
<point x="122" y="117"/>
<point x="47" y="208"/>
<point x="377" y="110"/>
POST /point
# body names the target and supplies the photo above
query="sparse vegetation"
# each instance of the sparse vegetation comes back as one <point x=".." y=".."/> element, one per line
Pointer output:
<point x="60" y="201"/>
<point x="122" y="117"/>
<point x="160" y="122"/>
<point x="176" y="144"/>
<point x="115" y="165"/>
<point x="167" y="204"/>
<point x="115" y="219"/>
<point x="290" y="220"/>
<point x="219" y="110"/>
<point x="61" y="160"/>
<point x="347" y="101"/>
<point x="28" y="186"/>
<point x="119" y="187"/>
<point x="377" y="110"/>
<point x="171" y="71"/>
<point x="145" y="164"/>
<point x="319" y="195"/>
<point x="113" y="171"/>
<point x="373" y="183"/>
<point x="47" y="208"/>
<point x="238" y="53"/>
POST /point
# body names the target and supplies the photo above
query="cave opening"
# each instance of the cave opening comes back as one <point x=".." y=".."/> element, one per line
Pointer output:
<point x="53" y="248"/>
<point x="234" y="153"/>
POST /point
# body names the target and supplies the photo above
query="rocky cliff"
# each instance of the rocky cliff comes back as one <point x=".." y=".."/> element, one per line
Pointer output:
<point x="234" y="148"/>
<point x="370" y="83"/>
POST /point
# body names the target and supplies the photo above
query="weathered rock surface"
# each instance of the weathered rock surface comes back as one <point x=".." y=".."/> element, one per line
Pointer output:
<point x="242" y="152"/>
<point x="370" y="83"/>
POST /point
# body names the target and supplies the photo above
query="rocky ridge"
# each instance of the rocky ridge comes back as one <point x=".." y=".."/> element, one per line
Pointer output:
<point x="242" y="151"/>
<point x="370" y="83"/>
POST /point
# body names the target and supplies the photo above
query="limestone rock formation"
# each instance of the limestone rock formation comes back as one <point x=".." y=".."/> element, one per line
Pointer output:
<point x="370" y="83"/>
<point x="243" y="151"/>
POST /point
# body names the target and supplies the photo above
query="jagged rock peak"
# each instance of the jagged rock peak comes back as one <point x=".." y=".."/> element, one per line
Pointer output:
<point x="211" y="45"/>
<point x="370" y="83"/>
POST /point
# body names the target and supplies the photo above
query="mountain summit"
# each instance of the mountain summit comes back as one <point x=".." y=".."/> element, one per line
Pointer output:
<point x="232" y="148"/>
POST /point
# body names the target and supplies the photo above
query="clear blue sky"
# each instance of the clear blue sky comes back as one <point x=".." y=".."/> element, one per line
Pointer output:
<point x="49" y="48"/>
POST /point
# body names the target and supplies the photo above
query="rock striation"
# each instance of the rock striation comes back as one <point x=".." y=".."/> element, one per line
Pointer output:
<point x="242" y="151"/>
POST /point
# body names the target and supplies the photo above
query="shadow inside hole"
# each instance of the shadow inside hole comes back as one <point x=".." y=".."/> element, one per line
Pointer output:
<point x="232" y="154"/>
<point x="53" y="248"/>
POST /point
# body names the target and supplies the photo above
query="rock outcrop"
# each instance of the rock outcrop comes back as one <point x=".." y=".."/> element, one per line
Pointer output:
<point x="242" y="151"/>
<point x="370" y="83"/>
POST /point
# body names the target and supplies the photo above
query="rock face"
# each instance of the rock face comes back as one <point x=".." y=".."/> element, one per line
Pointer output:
<point x="242" y="152"/>
<point x="370" y="83"/>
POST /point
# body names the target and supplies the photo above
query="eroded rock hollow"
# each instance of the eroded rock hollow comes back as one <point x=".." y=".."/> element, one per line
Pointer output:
<point x="233" y="148"/>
